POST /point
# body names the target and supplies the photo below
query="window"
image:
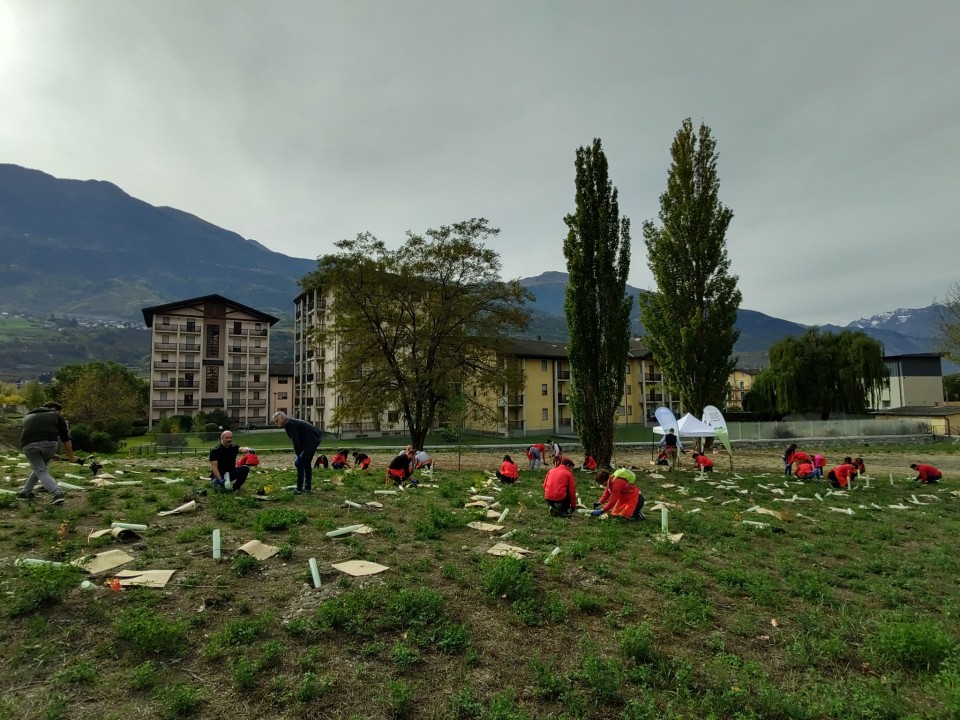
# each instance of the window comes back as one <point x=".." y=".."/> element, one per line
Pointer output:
<point x="237" y="328"/>
<point x="188" y="399"/>
<point x="628" y="368"/>
<point x="543" y="365"/>
<point x="281" y="396"/>
<point x="256" y="378"/>
<point x="281" y="381"/>
<point x="629" y="390"/>
<point x="191" y="325"/>
<point x="621" y="411"/>
<point x="164" y="338"/>
<point x="741" y="384"/>
<point x="212" y="384"/>
<point x="256" y="396"/>
<point x="543" y="390"/>
<point x="545" y="414"/>
<point x="629" y="410"/>
<point x="213" y="341"/>
<point x="393" y="417"/>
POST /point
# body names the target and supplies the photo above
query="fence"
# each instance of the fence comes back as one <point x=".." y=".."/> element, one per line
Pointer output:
<point x="819" y="429"/>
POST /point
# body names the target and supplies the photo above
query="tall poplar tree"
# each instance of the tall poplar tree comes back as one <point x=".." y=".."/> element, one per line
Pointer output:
<point x="597" y="250"/>
<point x="690" y="321"/>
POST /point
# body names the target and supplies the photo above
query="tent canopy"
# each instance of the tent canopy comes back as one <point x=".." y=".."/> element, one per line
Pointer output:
<point x="689" y="426"/>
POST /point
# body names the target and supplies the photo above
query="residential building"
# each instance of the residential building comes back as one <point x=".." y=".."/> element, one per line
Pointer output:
<point x="741" y="380"/>
<point x="916" y="380"/>
<point x="281" y="394"/>
<point x="209" y="353"/>
<point x="314" y="394"/>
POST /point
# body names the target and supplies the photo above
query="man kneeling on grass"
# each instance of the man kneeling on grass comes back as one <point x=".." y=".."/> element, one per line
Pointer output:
<point x="621" y="498"/>
<point x="560" y="491"/>
<point x="225" y="474"/>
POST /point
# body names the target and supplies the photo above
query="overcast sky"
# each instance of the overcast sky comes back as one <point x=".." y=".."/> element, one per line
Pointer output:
<point x="301" y="122"/>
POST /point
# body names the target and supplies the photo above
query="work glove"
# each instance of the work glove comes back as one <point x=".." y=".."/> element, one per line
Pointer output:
<point x="597" y="513"/>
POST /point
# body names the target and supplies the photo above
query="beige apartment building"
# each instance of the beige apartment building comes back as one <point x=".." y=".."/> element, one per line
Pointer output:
<point x="281" y="394"/>
<point x="209" y="353"/>
<point x="543" y="406"/>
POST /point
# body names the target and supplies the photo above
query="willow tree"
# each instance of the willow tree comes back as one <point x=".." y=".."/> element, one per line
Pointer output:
<point x="950" y="323"/>
<point x="690" y="321"/>
<point x="822" y="373"/>
<point x="597" y="250"/>
<point x="413" y="327"/>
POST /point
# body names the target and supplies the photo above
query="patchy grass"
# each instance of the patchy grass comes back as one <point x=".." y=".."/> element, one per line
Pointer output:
<point x="827" y="615"/>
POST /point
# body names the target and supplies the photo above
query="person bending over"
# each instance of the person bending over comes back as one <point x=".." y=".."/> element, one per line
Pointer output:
<point x="306" y="439"/>
<point x="702" y="462"/>
<point x="927" y="473"/>
<point x="361" y="460"/>
<point x="621" y="497"/>
<point x="400" y="468"/>
<point x="560" y="491"/>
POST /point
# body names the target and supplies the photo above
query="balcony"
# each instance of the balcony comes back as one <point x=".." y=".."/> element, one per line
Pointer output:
<point x="168" y="327"/>
<point x="359" y="427"/>
<point x="257" y="385"/>
<point x="189" y="403"/>
<point x="654" y="397"/>
<point x="236" y="349"/>
<point x="195" y="384"/>
<point x="565" y="423"/>
<point x="237" y="366"/>
<point x="563" y="374"/>
<point x="190" y="347"/>
<point x="258" y="367"/>
<point x="237" y="385"/>
<point x="188" y="365"/>
<point x="164" y="383"/>
<point x="164" y="346"/>
<point x="652" y="377"/>
<point x="164" y="365"/>
<point x="236" y="403"/>
<point x="515" y="424"/>
<point x="257" y="350"/>
<point x="190" y="329"/>
<point x="163" y="403"/>
<point x="262" y="402"/>
<point x="562" y="399"/>
<point x="515" y="400"/>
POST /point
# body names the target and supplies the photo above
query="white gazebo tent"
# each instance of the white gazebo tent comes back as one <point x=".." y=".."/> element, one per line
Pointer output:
<point x="689" y="426"/>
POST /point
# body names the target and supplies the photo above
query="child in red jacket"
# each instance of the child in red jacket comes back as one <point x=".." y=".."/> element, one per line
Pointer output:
<point x="621" y="498"/>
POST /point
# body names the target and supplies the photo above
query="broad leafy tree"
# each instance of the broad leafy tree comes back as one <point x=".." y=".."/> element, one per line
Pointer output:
<point x="105" y="396"/>
<point x="950" y="324"/>
<point x="597" y="250"/>
<point x="33" y="394"/>
<point x="690" y="320"/>
<point x="822" y="373"/>
<point x="416" y="325"/>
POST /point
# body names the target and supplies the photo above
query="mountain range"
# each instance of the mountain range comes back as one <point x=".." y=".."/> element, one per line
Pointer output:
<point x="88" y="249"/>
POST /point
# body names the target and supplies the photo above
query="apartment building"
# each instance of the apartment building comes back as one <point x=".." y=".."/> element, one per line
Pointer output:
<point x="209" y="353"/>
<point x="741" y="380"/>
<point x="281" y="394"/>
<point x="543" y="405"/>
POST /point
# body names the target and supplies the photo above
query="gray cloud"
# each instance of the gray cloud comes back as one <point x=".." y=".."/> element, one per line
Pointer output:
<point x="300" y="123"/>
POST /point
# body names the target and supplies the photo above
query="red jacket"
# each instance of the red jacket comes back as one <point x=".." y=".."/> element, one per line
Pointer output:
<point x="589" y="463"/>
<point x="508" y="469"/>
<point x="249" y="458"/>
<point x="804" y="469"/>
<point x="924" y="472"/>
<point x="620" y="497"/>
<point x="844" y="473"/>
<point x="798" y="456"/>
<point x="702" y="461"/>
<point x="560" y="483"/>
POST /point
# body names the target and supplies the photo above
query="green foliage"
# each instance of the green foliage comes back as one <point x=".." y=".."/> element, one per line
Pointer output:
<point x="313" y="687"/>
<point x="420" y="319"/>
<point x="145" y="676"/>
<point x="279" y="519"/>
<point x="179" y="700"/>
<point x="636" y="641"/>
<point x="821" y="373"/>
<point x="431" y="526"/>
<point x="690" y="321"/>
<point x="244" y="631"/>
<point x="101" y="442"/>
<point x="34" y="395"/>
<point x="597" y="251"/>
<point x="244" y="564"/>
<point x="400" y="697"/>
<point x="149" y="632"/>
<point x="38" y="586"/>
<point x="950" y="323"/>
<point x="910" y="643"/>
<point x="81" y="672"/>
<point x="508" y="578"/>
<point x="604" y="676"/>
<point x="104" y="395"/>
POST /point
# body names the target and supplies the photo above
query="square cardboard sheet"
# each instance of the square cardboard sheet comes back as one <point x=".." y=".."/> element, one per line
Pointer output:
<point x="259" y="550"/>
<point x="502" y="549"/>
<point x="359" y="568"/>
<point x="101" y="562"/>
<point x="146" y="578"/>
<point x="486" y="527"/>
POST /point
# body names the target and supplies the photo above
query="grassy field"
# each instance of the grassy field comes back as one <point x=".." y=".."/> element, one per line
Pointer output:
<point x="818" y="614"/>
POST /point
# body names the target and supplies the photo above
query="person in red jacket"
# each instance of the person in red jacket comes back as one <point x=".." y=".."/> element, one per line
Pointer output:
<point x="621" y="498"/>
<point x="560" y="491"/>
<point x="508" y="471"/>
<point x="339" y="461"/>
<point x="858" y="464"/>
<point x="805" y="471"/>
<point x="703" y="462"/>
<point x="361" y="460"/>
<point x="797" y="457"/>
<point x="841" y="474"/>
<point x="589" y="464"/>
<point x="927" y="473"/>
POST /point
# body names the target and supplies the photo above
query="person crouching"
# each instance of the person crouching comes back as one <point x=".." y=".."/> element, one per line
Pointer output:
<point x="621" y="497"/>
<point x="560" y="491"/>
<point x="508" y="471"/>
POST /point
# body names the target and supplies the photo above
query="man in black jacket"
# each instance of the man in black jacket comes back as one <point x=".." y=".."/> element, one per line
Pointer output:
<point x="306" y="440"/>
<point x="42" y="432"/>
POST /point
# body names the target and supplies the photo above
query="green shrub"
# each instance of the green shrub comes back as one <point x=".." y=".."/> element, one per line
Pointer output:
<point x="509" y="578"/>
<point x="603" y="676"/>
<point x="312" y="687"/>
<point x="244" y="564"/>
<point x="101" y="442"/>
<point x="150" y="632"/>
<point x="432" y="525"/>
<point x="400" y="698"/>
<point x="637" y="643"/>
<point x="279" y="519"/>
<point x="81" y="672"/>
<point x="909" y="643"/>
<point x="38" y="586"/>
<point x="145" y="676"/>
<point x="244" y="631"/>
<point x="80" y="435"/>
<point x="179" y="700"/>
